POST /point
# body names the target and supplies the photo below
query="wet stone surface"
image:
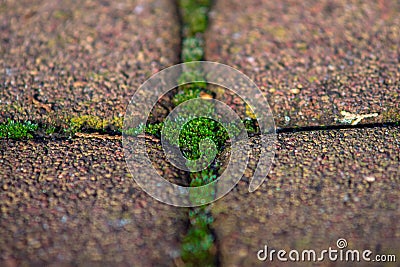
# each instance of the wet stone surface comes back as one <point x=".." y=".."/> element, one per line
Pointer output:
<point x="323" y="186"/>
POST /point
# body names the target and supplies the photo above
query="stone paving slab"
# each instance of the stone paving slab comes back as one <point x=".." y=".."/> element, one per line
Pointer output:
<point x="324" y="185"/>
<point x="314" y="59"/>
<point x="73" y="203"/>
<point x="60" y="59"/>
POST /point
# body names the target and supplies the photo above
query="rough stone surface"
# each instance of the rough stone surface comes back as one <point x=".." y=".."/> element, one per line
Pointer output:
<point x="313" y="59"/>
<point x="73" y="203"/>
<point x="60" y="59"/>
<point x="324" y="185"/>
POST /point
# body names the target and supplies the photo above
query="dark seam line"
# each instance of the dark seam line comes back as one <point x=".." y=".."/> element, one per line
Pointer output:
<point x="336" y="127"/>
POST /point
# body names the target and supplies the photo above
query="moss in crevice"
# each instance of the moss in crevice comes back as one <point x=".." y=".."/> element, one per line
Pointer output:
<point x="94" y="123"/>
<point x="198" y="247"/>
<point x="17" y="130"/>
<point x="194" y="16"/>
<point x="151" y="128"/>
<point x="195" y="19"/>
<point x="197" y="130"/>
<point x="50" y="129"/>
<point x="192" y="49"/>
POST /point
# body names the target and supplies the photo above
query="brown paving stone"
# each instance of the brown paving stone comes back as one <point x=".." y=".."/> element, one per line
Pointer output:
<point x="73" y="203"/>
<point x="313" y="59"/>
<point x="324" y="185"/>
<point x="67" y="58"/>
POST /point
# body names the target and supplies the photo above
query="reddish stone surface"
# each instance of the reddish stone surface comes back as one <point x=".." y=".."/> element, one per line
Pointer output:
<point x="71" y="58"/>
<point x="324" y="185"/>
<point x="313" y="59"/>
<point x="74" y="203"/>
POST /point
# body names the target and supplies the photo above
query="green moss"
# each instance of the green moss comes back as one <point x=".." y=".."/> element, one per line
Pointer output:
<point x="197" y="245"/>
<point x="185" y="95"/>
<point x="198" y="129"/>
<point x="134" y="131"/>
<point x="154" y="129"/>
<point x="193" y="84"/>
<point x="50" y="129"/>
<point x="117" y="122"/>
<point x="251" y="125"/>
<point x="17" y="130"/>
<point x="194" y="15"/>
<point x="203" y="177"/>
<point x="87" y="122"/>
<point x="192" y="49"/>
<point x="94" y="123"/>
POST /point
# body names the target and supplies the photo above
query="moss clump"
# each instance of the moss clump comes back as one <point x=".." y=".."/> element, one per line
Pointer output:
<point x="87" y="122"/>
<point x="192" y="49"/>
<point x="185" y="95"/>
<point x="189" y="89"/>
<point x="134" y="131"/>
<point x="50" y="129"/>
<point x="94" y="123"/>
<point x="198" y="129"/>
<point x="251" y="126"/>
<point x="203" y="177"/>
<point x="153" y="129"/>
<point x="194" y="15"/>
<point x="17" y="130"/>
<point x="117" y="122"/>
<point x="197" y="245"/>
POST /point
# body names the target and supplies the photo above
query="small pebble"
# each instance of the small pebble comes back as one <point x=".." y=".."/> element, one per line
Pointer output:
<point x="204" y="95"/>
<point x="369" y="179"/>
<point x="295" y="91"/>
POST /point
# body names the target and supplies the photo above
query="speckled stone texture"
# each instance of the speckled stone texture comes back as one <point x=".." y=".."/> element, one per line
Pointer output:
<point x="313" y="59"/>
<point x="74" y="203"/>
<point x="60" y="59"/>
<point x="324" y="185"/>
